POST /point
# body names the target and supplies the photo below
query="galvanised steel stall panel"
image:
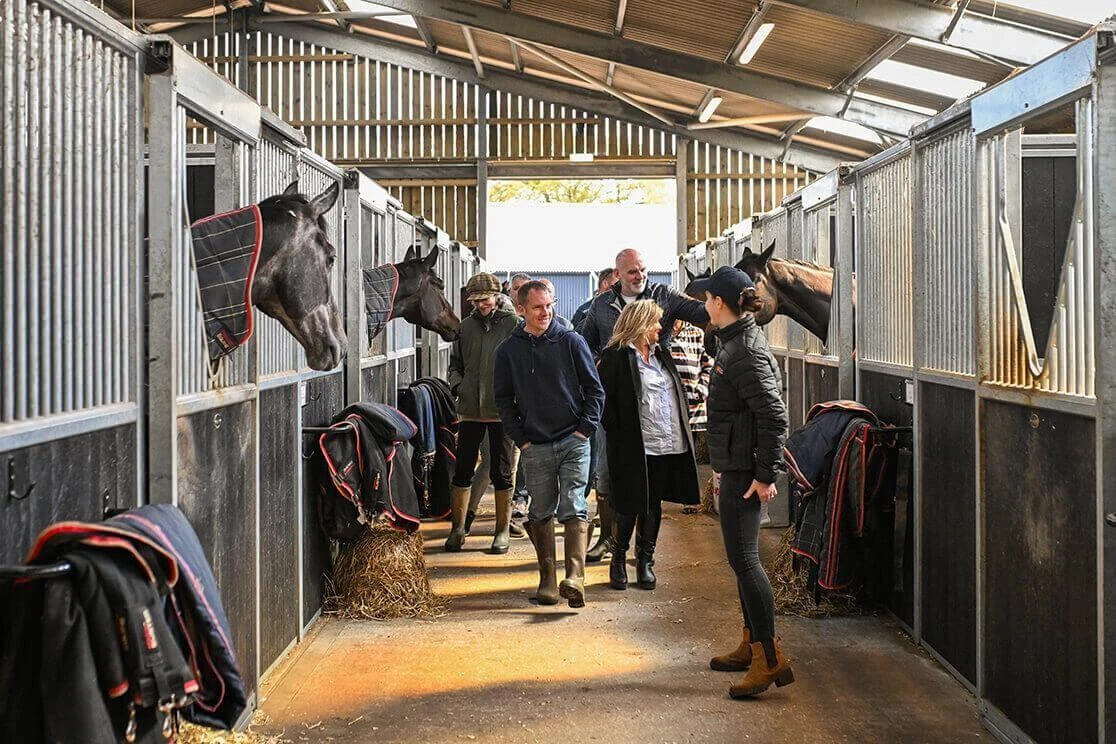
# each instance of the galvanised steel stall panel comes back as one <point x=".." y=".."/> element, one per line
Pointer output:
<point x="818" y="248"/>
<point x="1041" y="400"/>
<point x="366" y="213"/>
<point x="945" y="413"/>
<point x="766" y="229"/>
<point x="202" y="427"/>
<point x="71" y="284"/>
<point x="885" y="339"/>
<point x="402" y="341"/>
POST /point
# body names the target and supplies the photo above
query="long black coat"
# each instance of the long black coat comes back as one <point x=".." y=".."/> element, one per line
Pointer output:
<point x="627" y="464"/>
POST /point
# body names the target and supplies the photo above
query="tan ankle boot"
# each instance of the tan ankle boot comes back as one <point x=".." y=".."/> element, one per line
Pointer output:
<point x="573" y="586"/>
<point x="459" y="504"/>
<point x="735" y="661"/>
<point x="760" y="675"/>
<point x="542" y="535"/>
<point x="503" y="521"/>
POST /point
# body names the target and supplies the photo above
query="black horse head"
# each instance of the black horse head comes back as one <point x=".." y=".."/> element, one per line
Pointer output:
<point x="292" y="282"/>
<point x="420" y="298"/>
<point x="691" y="277"/>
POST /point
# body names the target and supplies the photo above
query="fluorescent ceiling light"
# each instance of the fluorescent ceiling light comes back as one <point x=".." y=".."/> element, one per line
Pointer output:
<point x="922" y="78"/>
<point x="756" y="42"/>
<point x="843" y="127"/>
<point x="400" y="19"/>
<point x="707" y="110"/>
<point x="581" y="157"/>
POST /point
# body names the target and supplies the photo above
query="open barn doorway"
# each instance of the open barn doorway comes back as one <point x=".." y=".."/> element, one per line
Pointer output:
<point x="567" y="230"/>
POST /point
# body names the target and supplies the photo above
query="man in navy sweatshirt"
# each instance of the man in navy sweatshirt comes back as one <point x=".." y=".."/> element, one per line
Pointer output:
<point x="550" y="399"/>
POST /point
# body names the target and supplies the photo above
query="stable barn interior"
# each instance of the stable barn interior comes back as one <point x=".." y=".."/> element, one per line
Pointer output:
<point x="972" y="300"/>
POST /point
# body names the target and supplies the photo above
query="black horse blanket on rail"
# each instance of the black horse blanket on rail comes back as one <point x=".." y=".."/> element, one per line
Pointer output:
<point x="380" y="286"/>
<point x="842" y="466"/>
<point x="366" y="476"/>
<point x="430" y="404"/>
<point x="122" y="641"/>
<point x="226" y="248"/>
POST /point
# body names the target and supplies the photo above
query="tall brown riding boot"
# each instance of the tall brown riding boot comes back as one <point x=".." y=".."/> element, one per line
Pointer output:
<point x="605" y="544"/>
<point x="761" y="674"/>
<point x="573" y="586"/>
<point x="503" y="521"/>
<point x="735" y="661"/>
<point x="542" y="535"/>
<point x="459" y="504"/>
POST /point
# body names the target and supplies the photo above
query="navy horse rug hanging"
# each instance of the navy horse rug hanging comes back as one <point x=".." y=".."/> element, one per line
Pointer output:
<point x="380" y="286"/>
<point x="226" y="248"/>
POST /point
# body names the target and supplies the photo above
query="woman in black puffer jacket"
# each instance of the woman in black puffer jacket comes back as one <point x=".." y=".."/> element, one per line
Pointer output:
<point x="747" y="425"/>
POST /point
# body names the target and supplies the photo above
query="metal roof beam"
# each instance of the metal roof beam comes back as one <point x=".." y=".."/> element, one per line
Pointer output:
<point x="1018" y="44"/>
<point x="749" y="31"/>
<point x="810" y="158"/>
<point x="893" y="45"/>
<point x="621" y="11"/>
<point x="590" y="80"/>
<point x="425" y="35"/>
<point x="710" y="73"/>
<point x="473" y="51"/>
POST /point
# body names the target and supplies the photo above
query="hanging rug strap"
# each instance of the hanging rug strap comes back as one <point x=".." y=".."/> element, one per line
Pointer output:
<point x="380" y="285"/>
<point x="226" y="249"/>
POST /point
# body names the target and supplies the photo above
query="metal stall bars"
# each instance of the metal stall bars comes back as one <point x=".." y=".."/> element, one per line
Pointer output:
<point x="945" y="534"/>
<point x="818" y="247"/>
<point x="1042" y="393"/>
<point x="402" y="342"/>
<point x="433" y="351"/>
<point x="292" y="553"/>
<point x="371" y="367"/>
<point x="71" y="282"/>
<point x="202" y="436"/>
<point x="885" y="333"/>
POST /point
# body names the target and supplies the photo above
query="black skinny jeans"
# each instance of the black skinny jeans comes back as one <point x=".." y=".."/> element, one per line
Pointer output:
<point x="740" y="527"/>
<point x="469" y="437"/>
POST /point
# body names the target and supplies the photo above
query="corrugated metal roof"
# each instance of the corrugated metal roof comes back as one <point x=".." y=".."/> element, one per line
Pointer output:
<point x="810" y="48"/>
<point x="815" y="49"/>
<point x="702" y="28"/>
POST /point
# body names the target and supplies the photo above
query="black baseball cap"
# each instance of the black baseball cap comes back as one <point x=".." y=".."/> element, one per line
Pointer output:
<point x="726" y="282"/>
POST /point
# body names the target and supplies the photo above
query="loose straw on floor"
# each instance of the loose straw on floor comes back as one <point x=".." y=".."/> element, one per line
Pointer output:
<point x="382" y="575"/>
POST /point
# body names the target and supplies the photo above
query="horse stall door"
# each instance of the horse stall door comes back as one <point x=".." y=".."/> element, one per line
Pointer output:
<point x="796" y="392"/>
<point x="324" y="399"/>
<point x="73" y="478"/>
<point x="1040" y="569"/>
<point x="279" y="505"/>
<point x="947" y="524"/>
<point x="216" y="492"/>
<point x="884" y="394"/>
<point x="821" y="384"/>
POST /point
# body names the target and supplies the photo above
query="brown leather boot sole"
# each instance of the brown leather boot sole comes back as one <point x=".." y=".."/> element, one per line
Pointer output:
<point x="572" y="593"/>
<point x="784" y="677"/>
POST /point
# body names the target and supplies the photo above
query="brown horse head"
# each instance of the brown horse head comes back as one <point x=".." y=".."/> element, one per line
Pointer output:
<point x="800" y="290"/>
<point x="755" y="266"/>
<point x="293" y="275"/>
<point x="420" y="298"/>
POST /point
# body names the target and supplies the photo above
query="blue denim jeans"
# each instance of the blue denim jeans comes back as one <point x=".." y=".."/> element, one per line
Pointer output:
<point x="556" y="476"/>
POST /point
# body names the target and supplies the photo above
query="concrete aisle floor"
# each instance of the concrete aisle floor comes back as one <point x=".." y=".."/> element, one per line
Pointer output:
<point x="631" y="666"/>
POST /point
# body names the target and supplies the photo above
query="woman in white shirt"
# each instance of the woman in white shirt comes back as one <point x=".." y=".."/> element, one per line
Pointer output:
<point x="650" y="448"/>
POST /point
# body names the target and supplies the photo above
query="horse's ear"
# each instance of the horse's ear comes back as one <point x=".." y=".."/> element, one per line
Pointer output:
<point x="707" y="273"/>
<point x="412" y="254"/>
<point x="292" y="188"/>
<point x="766" y="255"/>
<point x="324" y="201"/>
<point x="432" y="258"/>
<point x="689" y="274"/>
